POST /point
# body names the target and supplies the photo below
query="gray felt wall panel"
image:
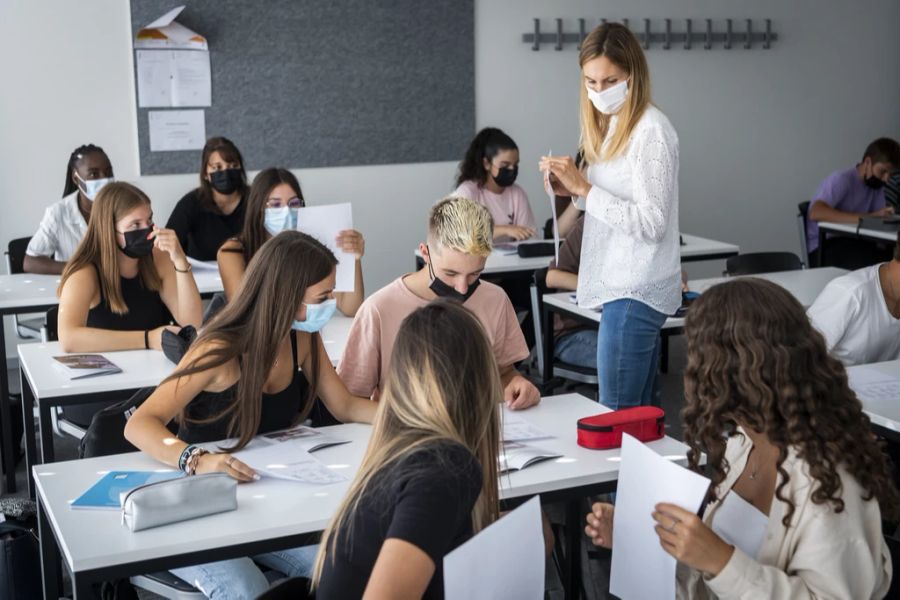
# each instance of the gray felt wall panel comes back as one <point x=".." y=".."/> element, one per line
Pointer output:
<point x="316" y="83"/>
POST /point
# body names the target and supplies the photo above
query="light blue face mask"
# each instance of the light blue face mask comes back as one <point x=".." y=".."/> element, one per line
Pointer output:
<point x="280" y="218"/>
<point x="92" y="187"/>
<point x="317" y="315"/>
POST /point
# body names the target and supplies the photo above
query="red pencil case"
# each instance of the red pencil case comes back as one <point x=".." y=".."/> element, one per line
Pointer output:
<point x="604" y="431"/>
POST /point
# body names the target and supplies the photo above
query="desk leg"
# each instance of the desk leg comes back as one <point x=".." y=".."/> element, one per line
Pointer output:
<point x="82" y="589"/>
<point x="574" y="532"/>
<point x="822" y="242"/>
<point x="6" y="429"/>
<point x="28" y="427"/>
<point x="51" y="572"/>
<point x="45" y="431"/>
<point x="547" y="346"/>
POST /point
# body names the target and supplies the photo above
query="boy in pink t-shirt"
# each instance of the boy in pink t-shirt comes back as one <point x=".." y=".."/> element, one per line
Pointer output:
<point x="459" y="241"/>
<point x="487" y="175"/>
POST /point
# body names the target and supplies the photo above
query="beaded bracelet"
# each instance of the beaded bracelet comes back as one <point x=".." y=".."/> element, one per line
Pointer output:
<point x="184" y="456"/>
<point x="193" y="459"/>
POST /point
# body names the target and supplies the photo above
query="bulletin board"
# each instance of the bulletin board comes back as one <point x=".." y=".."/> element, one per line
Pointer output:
<point x="323" y="83"/>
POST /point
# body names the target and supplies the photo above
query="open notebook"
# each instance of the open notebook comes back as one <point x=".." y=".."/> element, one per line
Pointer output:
<point x="80" y="366"/>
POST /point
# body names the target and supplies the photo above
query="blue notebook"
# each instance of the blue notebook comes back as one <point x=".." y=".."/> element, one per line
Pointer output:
<point x="105" y="494"/>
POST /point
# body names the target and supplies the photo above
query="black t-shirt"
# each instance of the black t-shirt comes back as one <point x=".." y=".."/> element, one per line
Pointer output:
<point x="425" y="498"/>
<point x="201" y="229"/>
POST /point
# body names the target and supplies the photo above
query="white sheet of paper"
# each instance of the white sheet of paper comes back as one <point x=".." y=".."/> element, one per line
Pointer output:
<point x="203" y="265"/>
<point x="873" y="384"/>
<point x="279" y="461"/>
<point x="740" y="524"/>
<point x="549" y="189"/>
<point x="518" y="429"/>
<point x="505" y="560"/>
<point x="640" y="567"/>
<point x="177" y="130"/>
<point x="176" y="78"/>
<point x="324" y="223"/>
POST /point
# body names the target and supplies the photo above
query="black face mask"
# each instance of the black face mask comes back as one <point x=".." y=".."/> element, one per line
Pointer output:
<point x="506" y="177"/>
<point x="226" y="181"/>
<point x="873" y="182"/>
<point x="136" y="243"/>
<point x="442" y="290"/>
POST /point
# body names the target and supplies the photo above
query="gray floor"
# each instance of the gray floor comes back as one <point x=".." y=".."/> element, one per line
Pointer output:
<point x="595" y="568"/>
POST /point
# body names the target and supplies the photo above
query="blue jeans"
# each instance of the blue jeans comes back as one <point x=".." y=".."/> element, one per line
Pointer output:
<point x="628" y="345"/>
<point x="578" y="348"/>
<point x="240" y="578"/>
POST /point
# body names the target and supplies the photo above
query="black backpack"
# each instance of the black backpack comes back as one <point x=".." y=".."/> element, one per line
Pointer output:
<point x="106" y="434"/>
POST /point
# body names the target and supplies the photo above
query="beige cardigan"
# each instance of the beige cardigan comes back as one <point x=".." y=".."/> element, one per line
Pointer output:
<point x="823" y="554"/>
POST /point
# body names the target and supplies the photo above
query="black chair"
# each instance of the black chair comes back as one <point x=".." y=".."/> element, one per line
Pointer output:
<point x="762" y="262"/>
<point x="15" y="264"/>
<point x="556" y="368"/>
<point x="802" y="220"/>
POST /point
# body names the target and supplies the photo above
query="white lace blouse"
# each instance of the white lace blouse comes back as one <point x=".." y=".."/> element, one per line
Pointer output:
<point x="631" y="242"/>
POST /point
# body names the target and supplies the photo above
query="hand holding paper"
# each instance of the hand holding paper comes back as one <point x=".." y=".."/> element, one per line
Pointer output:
<point x="326" y="223"/>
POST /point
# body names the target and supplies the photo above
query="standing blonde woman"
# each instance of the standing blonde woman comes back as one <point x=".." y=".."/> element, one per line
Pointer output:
<point x="429" y="479"/>
<point x="630" y="263"/>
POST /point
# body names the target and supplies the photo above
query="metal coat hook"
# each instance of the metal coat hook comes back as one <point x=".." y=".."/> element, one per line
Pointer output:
<point x="760" y="36"/>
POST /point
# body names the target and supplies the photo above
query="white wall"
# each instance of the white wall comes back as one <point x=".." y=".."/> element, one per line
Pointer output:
<point x="758" y="129"/>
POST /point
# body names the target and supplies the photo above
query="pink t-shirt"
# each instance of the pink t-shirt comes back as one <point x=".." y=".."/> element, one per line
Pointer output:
<point x="367" y="355"/>
<point x="510" y="207"/>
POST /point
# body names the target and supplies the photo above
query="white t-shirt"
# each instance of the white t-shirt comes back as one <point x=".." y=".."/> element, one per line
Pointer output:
<point x="852" y="315"/>
<point x="60" y="230"/>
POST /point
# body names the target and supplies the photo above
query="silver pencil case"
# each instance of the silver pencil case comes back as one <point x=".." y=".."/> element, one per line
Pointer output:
<point x="176" y="500"/>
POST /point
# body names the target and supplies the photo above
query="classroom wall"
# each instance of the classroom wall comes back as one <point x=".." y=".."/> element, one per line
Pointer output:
<point x="758" y="129"/>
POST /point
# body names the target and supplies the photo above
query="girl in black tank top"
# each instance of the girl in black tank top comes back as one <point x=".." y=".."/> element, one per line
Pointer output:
<point x="136" y="273"/>
<point x="286" y="295"/>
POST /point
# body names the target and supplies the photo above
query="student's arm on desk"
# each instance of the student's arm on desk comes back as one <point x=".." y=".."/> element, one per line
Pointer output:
<point x="42" y="265"/>
<point x="345" y="407"/>
<point x="147" y="430"/>
<point x="230" y="259"/>
<point x="74" y="336"/>
<point x="562" y="280"/>
<point x="518" y="392"/>
<point x="822" y="211"/>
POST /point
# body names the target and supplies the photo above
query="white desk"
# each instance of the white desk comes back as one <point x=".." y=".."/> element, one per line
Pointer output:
<point x="696" y="248"/>
<point x="273" y="515"/>
<point x="46" y="385"/>
<point x="24" y="293"/>
<point x="868" y="228"/>
<point x="805" y="285"/>
<point x="884" y="412"/>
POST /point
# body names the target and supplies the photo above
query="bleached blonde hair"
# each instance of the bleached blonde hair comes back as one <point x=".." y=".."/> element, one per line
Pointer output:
<point x="461" y="224"/>
<point x="618" y="44"/>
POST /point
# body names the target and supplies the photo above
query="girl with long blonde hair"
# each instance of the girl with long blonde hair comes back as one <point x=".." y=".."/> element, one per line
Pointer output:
<point x="429" y="478"/>
<point x="630" y="256"/>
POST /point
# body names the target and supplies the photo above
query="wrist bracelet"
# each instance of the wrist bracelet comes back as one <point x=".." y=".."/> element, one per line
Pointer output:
<point x="193" y="459"/>
<point x="188" y="270"/>
<point x="184" y="456"/>
<point x="146" y="339"/>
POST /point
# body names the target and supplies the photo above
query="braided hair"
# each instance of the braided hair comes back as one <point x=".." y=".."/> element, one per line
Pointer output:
<point x="77" y="154"/>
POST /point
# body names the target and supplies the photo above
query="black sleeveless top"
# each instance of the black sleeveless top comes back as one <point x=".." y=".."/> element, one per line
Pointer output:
<point x="146" y="310"/>
<point x="279" y="410"/>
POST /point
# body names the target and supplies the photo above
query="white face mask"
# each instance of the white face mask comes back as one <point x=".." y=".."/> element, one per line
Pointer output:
<point x="610" y="100"/>
<point x="92" y="187"/>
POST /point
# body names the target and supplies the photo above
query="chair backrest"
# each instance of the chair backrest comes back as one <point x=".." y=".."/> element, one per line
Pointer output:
<point x="762" y="262"/>
<point x="15" y="255"/>
<point x="537" y="290"/>
<point x="802" y="212"/>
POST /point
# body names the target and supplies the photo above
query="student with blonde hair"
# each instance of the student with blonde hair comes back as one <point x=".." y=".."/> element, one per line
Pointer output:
<point x="630" y="258"/>
<point x="429" y="478"/>
<point x="459" y="241"/>
<point x="127" y="281"/>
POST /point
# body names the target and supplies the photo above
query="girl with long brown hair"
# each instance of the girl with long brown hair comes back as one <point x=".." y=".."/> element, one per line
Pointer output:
<point x="429" y="478"/>
<point x="789" y="451"/>
<point x="272" y="206"/>
<point x="127" y="281"/>
<point x="256" y="367"/>
<point x="213" y="212"/>
<point x="630" y="257"/>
